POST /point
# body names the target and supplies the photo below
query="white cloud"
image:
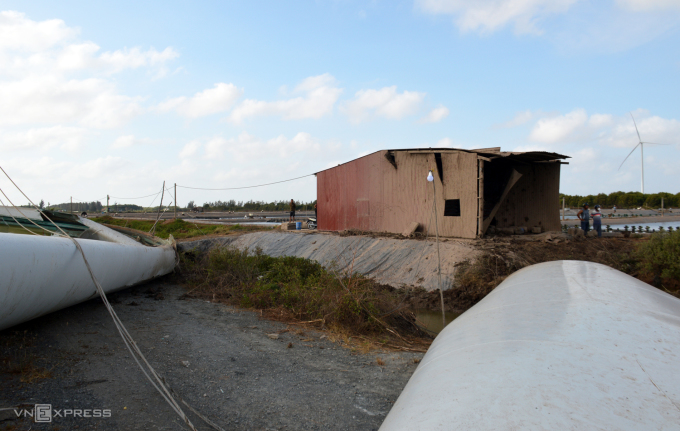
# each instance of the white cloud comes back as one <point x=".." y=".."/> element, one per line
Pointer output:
<point x="247" y="147"/>
<point x="20" y="33"/>
<point x="556" y="129"/>
<point x="487" y="16"/>
<point x="128" y="141"/>
<point x="220" y="98"/>
<point x="519" y="119"/>
<point x="444" y="143"/>
<point x="385" y="102"/>
<point x="319" y="96"/>
<point x="190" y="149"/>
<point x="66" y="138"/>
<point x="49" y="77"/>
<point x="47" y="99"/>
<point x="436" y="115"/>
<point x="135" y="58"/>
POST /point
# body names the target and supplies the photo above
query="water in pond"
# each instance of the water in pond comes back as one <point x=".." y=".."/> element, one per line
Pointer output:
<point x="432" y="320"/>
<point x="242" y="222"/>
<point x="654" y="225"/>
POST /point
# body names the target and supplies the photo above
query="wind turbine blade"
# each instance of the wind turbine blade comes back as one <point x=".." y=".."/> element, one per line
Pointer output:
<point x="636" y="129"/>
<point x="624" y="160"/>
<point x="653" y="143"/>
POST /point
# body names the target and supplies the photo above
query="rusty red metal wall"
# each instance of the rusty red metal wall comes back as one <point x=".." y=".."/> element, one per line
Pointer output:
<point x="343" y="200"/>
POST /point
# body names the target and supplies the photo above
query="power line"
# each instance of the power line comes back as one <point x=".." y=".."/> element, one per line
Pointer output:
<point x="247" y="187"/>
<point x="140" y="197"/>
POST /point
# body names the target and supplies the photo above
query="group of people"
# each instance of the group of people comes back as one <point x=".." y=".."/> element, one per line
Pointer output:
<point x="584" y="215"/>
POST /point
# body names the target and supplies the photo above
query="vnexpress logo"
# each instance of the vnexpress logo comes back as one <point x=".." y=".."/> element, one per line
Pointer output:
<point x="45" y="413"/>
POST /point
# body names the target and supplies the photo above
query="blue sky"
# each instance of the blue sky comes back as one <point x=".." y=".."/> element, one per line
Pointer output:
<point x="116" y="97"/>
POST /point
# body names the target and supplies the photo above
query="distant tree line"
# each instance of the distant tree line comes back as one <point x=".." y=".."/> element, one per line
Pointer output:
<point x="96" y="207"/>
<point x="232" y="205"/>
<point x="623" y="200"/>
<point x="78" y="206"/>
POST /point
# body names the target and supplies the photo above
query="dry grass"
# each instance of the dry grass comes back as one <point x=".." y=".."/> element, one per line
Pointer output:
<point x="356" y="309"/>
<point x="474" y="280"/>
<point x="19" y="357"/>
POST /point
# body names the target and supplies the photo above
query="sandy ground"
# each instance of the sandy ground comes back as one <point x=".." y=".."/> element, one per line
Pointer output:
<point x="236" y="374"/>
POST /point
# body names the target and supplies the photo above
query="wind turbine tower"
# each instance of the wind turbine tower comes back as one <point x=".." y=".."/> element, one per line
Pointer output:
<point x="640" y="144"/>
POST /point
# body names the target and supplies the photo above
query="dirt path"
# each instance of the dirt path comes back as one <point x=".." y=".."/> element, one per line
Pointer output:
<point x="234" y="372"/>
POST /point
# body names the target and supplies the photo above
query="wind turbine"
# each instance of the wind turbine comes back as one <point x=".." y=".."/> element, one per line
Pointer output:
<point x="642" y="161"/>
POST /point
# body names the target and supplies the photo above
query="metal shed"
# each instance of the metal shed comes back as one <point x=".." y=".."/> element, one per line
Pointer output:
<point x="387" y="190"/>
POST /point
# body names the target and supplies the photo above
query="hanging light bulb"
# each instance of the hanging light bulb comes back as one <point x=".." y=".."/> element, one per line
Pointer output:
<point x="430" y="178"/>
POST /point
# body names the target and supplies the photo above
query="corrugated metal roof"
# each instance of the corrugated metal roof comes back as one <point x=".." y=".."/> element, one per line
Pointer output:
<point x="490" y="153"/>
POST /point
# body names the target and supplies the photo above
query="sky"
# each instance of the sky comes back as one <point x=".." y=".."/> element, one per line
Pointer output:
<point x="113" y="98"/>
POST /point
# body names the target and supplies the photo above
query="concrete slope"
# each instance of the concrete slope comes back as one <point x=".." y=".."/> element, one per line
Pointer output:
<point x="389" y="261"/>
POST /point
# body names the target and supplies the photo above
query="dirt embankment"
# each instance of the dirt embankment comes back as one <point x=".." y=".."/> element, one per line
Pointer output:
<point x="394" y="262"/>
<point x="470" y="269"/>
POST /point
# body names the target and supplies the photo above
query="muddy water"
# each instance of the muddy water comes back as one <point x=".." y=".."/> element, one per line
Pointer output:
<point x="432" y="320"/>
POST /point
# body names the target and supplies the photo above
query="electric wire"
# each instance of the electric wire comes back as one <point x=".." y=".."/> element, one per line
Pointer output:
<point x="140" y="197"/>
<point x="248" y="187"/>
<point x="162" y="387"/>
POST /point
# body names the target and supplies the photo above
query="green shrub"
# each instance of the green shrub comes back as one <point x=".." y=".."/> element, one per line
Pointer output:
<point x="299" y="288"/>
<point x="660" y="256"/>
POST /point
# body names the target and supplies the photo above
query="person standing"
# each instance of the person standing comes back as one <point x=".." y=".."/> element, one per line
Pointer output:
<point x="292" y="211"/>
<point x="315" y="216"/>
<point x="597" y="221"/>
<point x="584" y="216"/>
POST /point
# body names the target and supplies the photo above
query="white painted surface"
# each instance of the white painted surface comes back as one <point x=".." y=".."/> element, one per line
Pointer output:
<point x="39" y="274"/>
<point x="20" y="213"/>
<point x="557" y="346"/>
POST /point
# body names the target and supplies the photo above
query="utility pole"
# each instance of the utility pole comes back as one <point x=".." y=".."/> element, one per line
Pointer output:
<point x="107" y="204"/>
<point x="430" y="178"/>
<point x="661" y="207"/>
<point x="563" y="218"/>
<point x="175" y="200"/>
<point x="642" y="164"/>
<point x="72" y="204"/>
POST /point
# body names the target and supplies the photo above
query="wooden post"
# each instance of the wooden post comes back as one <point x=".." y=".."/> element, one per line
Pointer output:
<point x="160" y="207"/>
<point x="175" y="200"/>
<point x="480" y="198"/>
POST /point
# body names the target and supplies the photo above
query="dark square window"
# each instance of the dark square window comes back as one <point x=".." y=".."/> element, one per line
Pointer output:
<point x="452" y="208"/>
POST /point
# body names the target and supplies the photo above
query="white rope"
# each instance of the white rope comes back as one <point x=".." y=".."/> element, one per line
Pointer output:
<point x="160" y="384"/>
